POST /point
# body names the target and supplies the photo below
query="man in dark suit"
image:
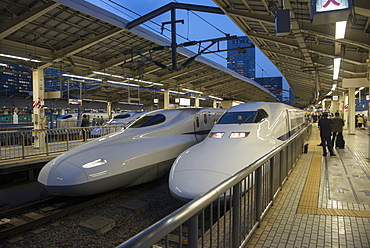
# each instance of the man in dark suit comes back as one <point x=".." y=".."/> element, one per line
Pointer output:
<point x="338" y="124"/>
<point x="84" y="123"/>
<point x="325" y="126"/>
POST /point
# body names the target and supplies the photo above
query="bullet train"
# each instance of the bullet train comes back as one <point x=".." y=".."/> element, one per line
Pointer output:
<point x="142" y="152"/>
<point x="242" y="135"/>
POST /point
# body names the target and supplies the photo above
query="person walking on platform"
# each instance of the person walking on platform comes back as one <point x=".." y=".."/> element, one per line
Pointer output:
<point x="84" y="123"/>
<point x="360" y="122"/>
<point x="337" y="139"/>
<point x="325" y="125"/>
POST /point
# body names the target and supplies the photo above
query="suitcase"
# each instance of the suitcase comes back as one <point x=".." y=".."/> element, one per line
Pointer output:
<point x="340" y="143"/>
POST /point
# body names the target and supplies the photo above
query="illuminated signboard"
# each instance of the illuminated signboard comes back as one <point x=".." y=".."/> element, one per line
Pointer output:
<point x="330" y="11"/>
<point x="330" y="5"/>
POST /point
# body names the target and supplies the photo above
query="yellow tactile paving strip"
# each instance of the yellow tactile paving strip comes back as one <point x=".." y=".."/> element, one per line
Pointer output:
<point x="308" y="203"/>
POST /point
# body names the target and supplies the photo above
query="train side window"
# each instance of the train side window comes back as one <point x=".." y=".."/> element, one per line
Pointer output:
<point x="261" y="114"/>
<point x="197" y="121"/>
<point x="205" y="119"/>
<point x="148" y="121"/>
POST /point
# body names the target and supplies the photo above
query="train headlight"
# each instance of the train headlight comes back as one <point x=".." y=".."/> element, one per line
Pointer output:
<point x="94" y="163"/>
<point x="217" y="135"/>
<point x="236" y="135"/>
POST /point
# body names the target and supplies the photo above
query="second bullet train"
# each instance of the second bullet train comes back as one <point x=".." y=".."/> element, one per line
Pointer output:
<point x="241" y="136"/>
<point x="141" y="153"/>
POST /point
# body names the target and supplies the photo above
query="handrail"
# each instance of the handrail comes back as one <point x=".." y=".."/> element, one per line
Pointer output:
<point x="163" y="227"/>
<point x="17" y="144"/>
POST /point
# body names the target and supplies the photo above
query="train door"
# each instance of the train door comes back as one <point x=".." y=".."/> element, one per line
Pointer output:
<point x="287" y="124"/>
<point x="199" y="126"/>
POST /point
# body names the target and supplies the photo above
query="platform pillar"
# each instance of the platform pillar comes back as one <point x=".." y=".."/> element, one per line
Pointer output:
<point x="214" y="103"/>
<point x="197" y="101"/>
<point x="38" y="116"/>
<point x="351" y="110"/>
<point x="166" y="99"/>
<point x="109" y="110"/>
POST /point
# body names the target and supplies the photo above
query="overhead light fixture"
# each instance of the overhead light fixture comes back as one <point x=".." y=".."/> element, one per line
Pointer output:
<point x="121" y="83"/>
<point x="340" y="29"/>
<point x="330" y="92"/>
<point x="2" y="64"/>
<point x="333" y="87"/>
<point x="17" y="57"/>
<point x="217" y="98"/>
<point x="81" y="77"/>
<point x="193" y="91"/>
<point x="336" y="68"/>
<point x="131" y="79"/>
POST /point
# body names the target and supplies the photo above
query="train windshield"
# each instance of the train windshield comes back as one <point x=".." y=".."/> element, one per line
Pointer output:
<point x="243" y="117"/>
<point x="121" y="116"/>
<point x="237" y="117"/>
<point x="66" y="117"/>
<point x="148" y="121"/>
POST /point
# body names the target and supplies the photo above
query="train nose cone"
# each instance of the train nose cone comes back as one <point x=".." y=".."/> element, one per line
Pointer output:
<point x="189" y="184"/>
<point x="63" y="178"/>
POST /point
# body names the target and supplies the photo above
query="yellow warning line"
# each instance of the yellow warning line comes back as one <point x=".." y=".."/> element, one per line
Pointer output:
<point x="308" y="203"/>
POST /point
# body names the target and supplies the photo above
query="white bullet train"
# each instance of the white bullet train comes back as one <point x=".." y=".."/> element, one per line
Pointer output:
<point x="241" y="136"/>
<point x="141" y="153"/>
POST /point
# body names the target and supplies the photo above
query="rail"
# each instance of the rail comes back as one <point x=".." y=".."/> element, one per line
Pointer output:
<point x="20" y="143"/>
<point x="228" y="214"/>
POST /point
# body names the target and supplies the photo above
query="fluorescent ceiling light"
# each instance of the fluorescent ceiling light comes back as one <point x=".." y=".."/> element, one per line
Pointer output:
<point x="217" y="98"/>
<point x="340" y="29"/>
<point x="193" y="91"/>
<point x="333" y="87"/>
<point x="127" y="84"/>
<point x="81" y="77"/>
<point x="131" y="79"/>
<point x="336" y="68"/>
<point x="361" y="88"/>
<point x="2" y="64"/>
<point x="330" y="92"/>
<point x="17" y="57"/>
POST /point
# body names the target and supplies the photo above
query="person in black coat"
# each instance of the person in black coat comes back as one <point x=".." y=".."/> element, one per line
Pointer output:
<point x="84" y="123"/>
<point x="325" y="126"/>
<point x="338" y="124"/>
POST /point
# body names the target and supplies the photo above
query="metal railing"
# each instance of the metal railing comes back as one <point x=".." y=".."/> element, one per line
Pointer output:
<point x="15" y="144"/>
<point x="227" y="215"/>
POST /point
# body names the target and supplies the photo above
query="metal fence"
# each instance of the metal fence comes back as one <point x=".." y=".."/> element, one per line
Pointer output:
<point x="15" y="144"/>
<point x="227" y="215"/>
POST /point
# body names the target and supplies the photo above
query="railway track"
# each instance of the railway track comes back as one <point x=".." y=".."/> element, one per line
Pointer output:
<point x="36" y="214"/>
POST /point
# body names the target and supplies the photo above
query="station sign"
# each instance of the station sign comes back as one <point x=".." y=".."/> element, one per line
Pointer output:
<point x="184" y="101"/>
<point x="75" y="101"/>
<point x="322" y="6"/>
<point x="329" y="11"/>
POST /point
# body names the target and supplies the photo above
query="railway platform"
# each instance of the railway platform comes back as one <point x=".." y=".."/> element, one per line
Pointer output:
<point x="326" y="200"/>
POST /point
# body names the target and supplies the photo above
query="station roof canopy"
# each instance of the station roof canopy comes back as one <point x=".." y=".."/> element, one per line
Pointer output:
<point x="307" y="51"/>
<point x="85" y="40"/>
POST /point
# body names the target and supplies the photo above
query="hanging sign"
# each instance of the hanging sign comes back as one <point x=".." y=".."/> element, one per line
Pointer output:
<point x="329" y="11"/>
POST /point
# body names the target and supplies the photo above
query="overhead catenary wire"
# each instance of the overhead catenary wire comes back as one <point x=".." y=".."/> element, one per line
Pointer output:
<point x="179" y="35"/>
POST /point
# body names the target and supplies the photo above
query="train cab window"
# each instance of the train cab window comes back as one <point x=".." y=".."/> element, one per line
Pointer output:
<point x="148" y="121"/>
<point x="66" y="117"/>
<point x="261" y="114"/>
<point x="237" y="117"/>
<point x="121" y="116"/>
